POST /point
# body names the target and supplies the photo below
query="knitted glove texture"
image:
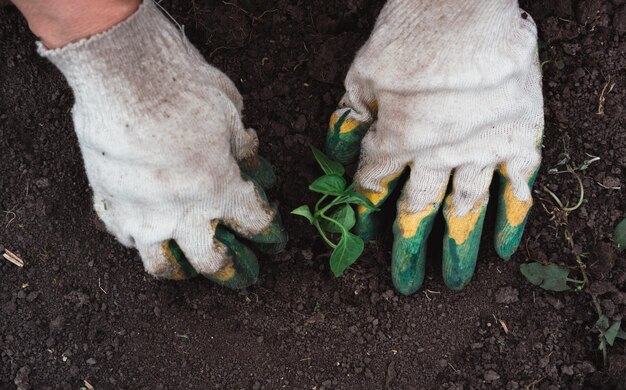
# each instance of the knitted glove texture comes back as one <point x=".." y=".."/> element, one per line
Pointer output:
<point x="451" y="90"/>
<point x="161" y="135"/>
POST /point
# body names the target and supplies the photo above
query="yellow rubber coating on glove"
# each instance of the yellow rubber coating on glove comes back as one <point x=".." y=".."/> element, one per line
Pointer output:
<point x="347" y="126"/>
<point x="377" y="197"/>
<point x="225" y="274"/>
<point x="409" y="223"/>
<point x="179" y="274"/>
<point x="515" y="209"/>
<point x="460" y="227"/>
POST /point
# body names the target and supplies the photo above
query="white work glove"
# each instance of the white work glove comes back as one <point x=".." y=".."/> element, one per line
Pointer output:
<point x="161" y="135"/>
<point x="444" y="88"/>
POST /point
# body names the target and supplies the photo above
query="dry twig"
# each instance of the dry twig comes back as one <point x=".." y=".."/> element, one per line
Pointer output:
<point x="602" y="98"/>
<point x="13" y="258"/>
<point x="534" y="383"/>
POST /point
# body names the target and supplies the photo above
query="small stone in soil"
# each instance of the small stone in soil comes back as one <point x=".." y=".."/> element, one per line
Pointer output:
<point x="21" y="379"/>
<point x="491" y="376"/>
<point x="507" y="295"/>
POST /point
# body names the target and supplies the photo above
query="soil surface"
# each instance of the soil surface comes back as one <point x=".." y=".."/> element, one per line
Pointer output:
<point x="83" y="309"/>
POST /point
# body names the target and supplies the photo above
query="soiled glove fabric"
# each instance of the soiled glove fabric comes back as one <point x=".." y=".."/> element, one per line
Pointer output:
<point x="452" y="91"/>
<point x="166" y="153"/>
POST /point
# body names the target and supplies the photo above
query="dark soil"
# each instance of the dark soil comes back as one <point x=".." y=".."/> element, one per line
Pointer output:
<point x="83" y="309"/>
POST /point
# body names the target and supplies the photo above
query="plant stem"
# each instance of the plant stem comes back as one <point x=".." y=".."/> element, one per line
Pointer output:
<point x="583" y="267"/>
<point x="581" y="197"/>
<point x="319" y="229"/>
<point x="556" y="198"/>
<point x="319" y="202"/>
<point x="343" y="229"/>
<point x="333" y="203"/>
<point x="598" y="308"/>
<point x="596" y="305"/>
<point x="582" y="191"/>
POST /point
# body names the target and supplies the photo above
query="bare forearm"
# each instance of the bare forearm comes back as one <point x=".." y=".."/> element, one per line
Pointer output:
<point x="59" y="22"/>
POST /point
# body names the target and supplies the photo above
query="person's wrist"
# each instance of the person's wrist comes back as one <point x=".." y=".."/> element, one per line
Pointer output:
<point x="59" y="22"/>
<point x="138" y="62"/>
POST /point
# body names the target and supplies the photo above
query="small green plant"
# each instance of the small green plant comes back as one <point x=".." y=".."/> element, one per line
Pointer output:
<point x="182" y="336"/>
<point x="619" y="236"/>
<point x="556" y="278"/>
<point x="607" y="330"/>
<point x="333" y="213"/>
<point x="550" y="277"/>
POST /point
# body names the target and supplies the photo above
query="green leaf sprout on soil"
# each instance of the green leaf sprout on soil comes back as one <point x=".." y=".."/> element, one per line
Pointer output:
<point x="608" y="331"/>
<point x="620" y="235"/>
<point x="550" y="277"/>
<point x="333" y="213"/>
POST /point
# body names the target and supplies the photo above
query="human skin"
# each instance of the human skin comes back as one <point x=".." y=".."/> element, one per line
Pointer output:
<point x="59" y="22"/>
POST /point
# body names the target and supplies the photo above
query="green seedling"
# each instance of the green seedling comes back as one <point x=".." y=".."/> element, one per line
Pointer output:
<point x="619" y="236"/>
<point x="557" y="277"/>
<point x="333" y="213"/>
<point x="566" y="159"/>
<point x="607" y="330"/>
<point x="581" y="197"/>
<point x="570" y="168"/>
<point x="550" y="277"/>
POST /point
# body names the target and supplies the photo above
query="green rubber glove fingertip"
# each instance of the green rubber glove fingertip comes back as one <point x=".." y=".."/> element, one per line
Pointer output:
<point x="244" y="270"/>
<point x="459" y="258"/>
<point x="343" y="141"/>
<point x="274" y="238"/>
<point x="259" y="170"/>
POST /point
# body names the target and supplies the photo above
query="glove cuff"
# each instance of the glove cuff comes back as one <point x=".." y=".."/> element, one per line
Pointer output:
<point x="132" y="59"/>
<point x="477" y="20"/>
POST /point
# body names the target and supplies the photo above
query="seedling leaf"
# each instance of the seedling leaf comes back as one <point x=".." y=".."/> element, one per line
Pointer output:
<point x="329" y="166"/>
<point x="602" y="324"/>
<point x="611" y="333"/>
<point x="348" y="250"/>
<point x="304" y="211"/>
<point x="360" y="200"/>
<point x="550" y="277"/>
<point x="621" y="335"/>
<point x="334" y="213"/>
<point x="344" y="215"/>
<point x="329" y="185"/>
<point x="619" y="236"/>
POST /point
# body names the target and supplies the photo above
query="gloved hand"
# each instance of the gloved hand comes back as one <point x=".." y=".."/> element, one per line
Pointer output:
<point x="166" y="153"/>
<point x="445" y="88"/>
